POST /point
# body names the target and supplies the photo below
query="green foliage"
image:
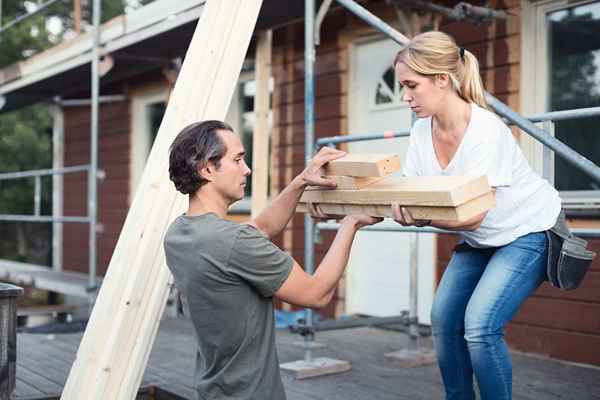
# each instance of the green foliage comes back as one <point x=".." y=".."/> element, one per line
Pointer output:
<point x="25" y="144"/>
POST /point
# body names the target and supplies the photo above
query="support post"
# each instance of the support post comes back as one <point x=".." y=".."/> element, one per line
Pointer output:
<point x="260" y="136"/>
<point x="311" y="367"/>
<point x="58" y="161"/>
<point x="93" y="173"/>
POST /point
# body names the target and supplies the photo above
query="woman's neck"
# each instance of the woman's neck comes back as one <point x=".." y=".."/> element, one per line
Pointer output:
<point x="453" y="118"/>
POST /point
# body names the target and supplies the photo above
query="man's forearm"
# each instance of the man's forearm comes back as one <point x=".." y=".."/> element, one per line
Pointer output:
<point x="273" y="219"/>
<point x="334" y="263"/>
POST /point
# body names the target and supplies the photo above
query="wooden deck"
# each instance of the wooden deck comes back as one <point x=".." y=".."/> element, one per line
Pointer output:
<point x="43" y="363"/>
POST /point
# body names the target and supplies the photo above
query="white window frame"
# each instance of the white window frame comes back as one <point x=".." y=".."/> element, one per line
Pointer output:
<point x="534" y="83"/>
<point x="140" y="140"/>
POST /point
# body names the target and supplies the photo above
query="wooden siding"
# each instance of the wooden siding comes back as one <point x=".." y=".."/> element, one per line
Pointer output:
<point x="113" y="191"/>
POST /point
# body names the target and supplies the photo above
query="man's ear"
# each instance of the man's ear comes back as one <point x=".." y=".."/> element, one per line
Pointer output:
<point x="207" y="172"/>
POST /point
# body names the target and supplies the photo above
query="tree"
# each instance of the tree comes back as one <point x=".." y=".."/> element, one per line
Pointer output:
<point x="25" y="135"/>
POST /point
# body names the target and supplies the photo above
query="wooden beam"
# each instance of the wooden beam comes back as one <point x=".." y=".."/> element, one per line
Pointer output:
<point x="260" y="136"/>
<point x="363" y="165"/>
<point x="460" y="213"/>
<point x="435" y="191"/>
<point x="117" y="342"/>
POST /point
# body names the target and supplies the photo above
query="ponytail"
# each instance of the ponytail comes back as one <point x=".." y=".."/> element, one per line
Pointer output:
<point x="471" y="86"/>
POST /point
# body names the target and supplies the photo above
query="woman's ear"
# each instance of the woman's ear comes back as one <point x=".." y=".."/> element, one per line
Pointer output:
<point x="442" y="80"/>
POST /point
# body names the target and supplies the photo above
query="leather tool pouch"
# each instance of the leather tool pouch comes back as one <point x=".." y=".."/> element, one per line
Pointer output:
<point x="568" y="257"/>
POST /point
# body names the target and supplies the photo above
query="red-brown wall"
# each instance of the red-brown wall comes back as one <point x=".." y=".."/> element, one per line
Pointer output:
<point x="113" y="191"/>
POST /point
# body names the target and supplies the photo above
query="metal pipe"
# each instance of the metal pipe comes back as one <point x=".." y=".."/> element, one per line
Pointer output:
<point x="357" y="138"/>
<point x="86" y="102"/>
<point x="58" y="161"/>
<point x="559" y="148"/>
<point x="542" y="136"/>
<point x="92" y="176"/>
<point x="413" y="313"/>
<point x="374" y="21"/>
<point x="547" y="116"/>
<point x="329" y="325"/>
<point x="23" y="17"/>
<point x="566" y="114"/>
<point x="319" y="19"/>
<point x="41" y="218"/>
<point x="393" y="227"/>
<point x="41" y="172"/>
<point x="37" y="196"/>
<point x="460" y="12"/>
<point x="309" y="139"/>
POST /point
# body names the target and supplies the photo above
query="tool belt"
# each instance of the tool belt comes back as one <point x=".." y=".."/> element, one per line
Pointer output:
<point x="568" y="257"/>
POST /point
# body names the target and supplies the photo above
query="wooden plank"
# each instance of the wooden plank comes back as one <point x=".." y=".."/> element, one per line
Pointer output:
<point x="350" y="182"/>
<point x="260" y="136"/>
<point x="363" y="165"/>
<point x="461" y="213"/>
<point x="115" y="347"/>
<point x="436" y="191"/>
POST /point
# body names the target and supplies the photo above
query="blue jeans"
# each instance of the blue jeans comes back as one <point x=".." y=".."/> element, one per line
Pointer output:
<point x="479" y="293"/>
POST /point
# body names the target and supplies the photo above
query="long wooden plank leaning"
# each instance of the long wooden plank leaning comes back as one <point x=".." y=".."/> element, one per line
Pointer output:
<point x="114" y="350"/>
<point x="456" y="198"/>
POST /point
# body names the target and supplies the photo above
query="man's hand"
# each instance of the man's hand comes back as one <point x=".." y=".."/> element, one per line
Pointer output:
<point x="404" y="218"/>
<point x="311" y="175"/>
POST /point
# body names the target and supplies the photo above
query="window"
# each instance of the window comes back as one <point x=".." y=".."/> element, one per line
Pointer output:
<point x="388" y="91"/>
<point x="147" y="111"/>
<point x="574" y="82"/>
<point x="241" y="117"/>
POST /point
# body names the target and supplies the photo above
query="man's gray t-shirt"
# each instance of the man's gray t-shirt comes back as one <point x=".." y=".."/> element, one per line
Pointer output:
<point x="228" y="273"/>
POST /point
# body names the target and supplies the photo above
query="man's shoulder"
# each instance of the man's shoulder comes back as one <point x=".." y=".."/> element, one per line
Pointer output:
<point x="209" y="228"/>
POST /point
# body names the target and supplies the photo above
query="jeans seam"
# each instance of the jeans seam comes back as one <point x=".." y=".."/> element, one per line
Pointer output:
<point x="512" y="284"/>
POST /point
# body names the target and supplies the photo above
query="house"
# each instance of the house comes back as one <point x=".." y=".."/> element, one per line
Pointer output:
<point x="543" y="57"/>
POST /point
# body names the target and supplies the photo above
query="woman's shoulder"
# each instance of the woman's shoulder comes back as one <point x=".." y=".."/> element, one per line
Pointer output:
<point x="488" y="125"/>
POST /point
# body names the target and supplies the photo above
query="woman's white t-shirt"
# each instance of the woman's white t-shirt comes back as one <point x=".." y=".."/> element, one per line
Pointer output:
<point x="525" y="202"/>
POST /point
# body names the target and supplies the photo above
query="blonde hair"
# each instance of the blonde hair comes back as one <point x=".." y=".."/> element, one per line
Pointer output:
<point x="433" y="53"/>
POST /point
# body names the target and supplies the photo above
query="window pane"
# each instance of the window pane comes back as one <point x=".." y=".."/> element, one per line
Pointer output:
<point x="156" y="111"/>
<point x="574" y="43"/>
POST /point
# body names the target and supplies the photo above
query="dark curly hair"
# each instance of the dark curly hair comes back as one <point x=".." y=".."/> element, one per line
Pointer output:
<point x="192" y="149"/>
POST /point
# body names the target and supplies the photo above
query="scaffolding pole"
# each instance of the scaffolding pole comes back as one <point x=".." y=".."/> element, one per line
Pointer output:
<point x="93" y="175"/>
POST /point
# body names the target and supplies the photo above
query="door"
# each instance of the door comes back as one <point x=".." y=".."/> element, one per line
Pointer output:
<point x="378" y="271"/>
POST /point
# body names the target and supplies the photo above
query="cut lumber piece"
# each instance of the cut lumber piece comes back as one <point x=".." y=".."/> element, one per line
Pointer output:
<point x="114" y="350"/>
<point x="363" y="165"/>
<point x="435" y="191"/>
<point x="349" y="182"/>
<point x="460" y="213"/>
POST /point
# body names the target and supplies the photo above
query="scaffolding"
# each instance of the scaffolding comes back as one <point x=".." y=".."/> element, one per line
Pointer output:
<point x="312" y="26"/>
<point x="308" y="328"/>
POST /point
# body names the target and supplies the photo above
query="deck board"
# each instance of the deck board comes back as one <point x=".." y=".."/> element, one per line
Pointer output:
<point x="43" y="363"/>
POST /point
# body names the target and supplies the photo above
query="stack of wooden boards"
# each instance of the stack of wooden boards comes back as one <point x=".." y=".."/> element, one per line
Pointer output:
<point x="366" y="187"/>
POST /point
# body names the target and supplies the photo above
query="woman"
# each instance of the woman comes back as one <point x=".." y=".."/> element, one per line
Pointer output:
<point x="503" y="253"/>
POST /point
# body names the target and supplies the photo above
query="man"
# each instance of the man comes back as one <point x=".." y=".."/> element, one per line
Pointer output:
<point x="229" y="272"/>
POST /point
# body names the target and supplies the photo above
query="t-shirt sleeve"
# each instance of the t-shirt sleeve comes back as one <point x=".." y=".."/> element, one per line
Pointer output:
<point x="255" y="259"/>
<point x="492" y="156"/>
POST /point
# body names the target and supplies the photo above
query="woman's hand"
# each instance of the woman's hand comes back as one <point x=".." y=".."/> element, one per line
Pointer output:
<point x="404" y="218"/>
<point x="360" y="221"/>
